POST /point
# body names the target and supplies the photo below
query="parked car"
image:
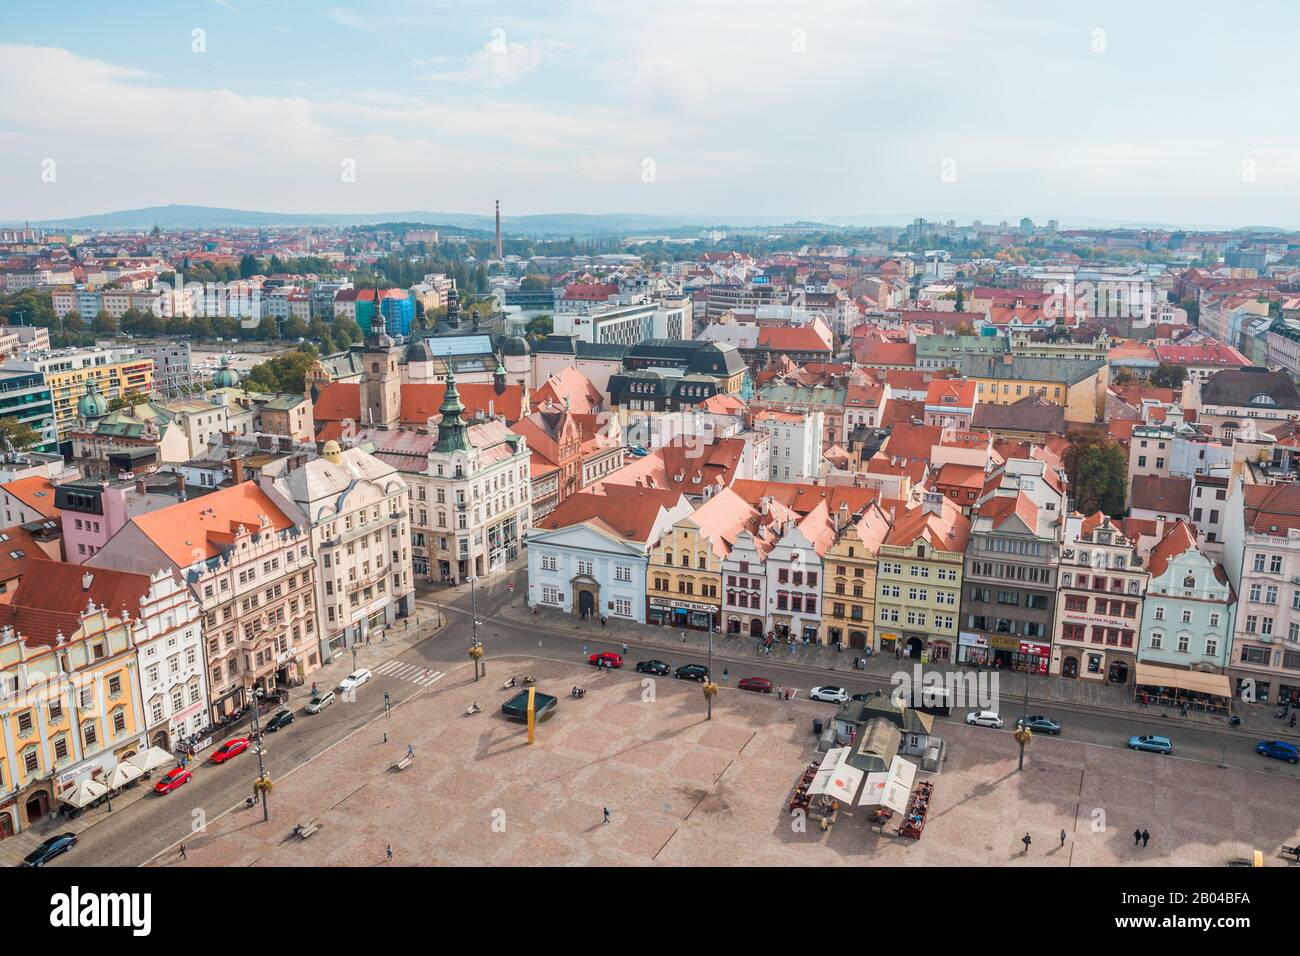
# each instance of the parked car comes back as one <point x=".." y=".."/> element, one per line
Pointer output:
<point x="1151" y="744"/>
<point x="54" y="846"/>
<point x="1279" y="750"/>
<point x="759" y="684"/>
<point x="1040" y="724"/>
<point x="696" y="672"/>
<point x="281" y="719"/>
<point x="171" y="780"/>
<point x="320" y="702"/>
<point x="354" y="680"/>
<point x="231" y="748"/>
<point x="832" y="695"/>
<point x="653" y="667"/>
<point x="984" y="718"/>
<point x="605" y="659"/>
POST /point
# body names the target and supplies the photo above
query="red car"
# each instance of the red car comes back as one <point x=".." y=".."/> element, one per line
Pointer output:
<point x="760" y="684"/>
<point x="171" y="780"/>
<point x="606" y="659"/>
<point x="231" y="748"/>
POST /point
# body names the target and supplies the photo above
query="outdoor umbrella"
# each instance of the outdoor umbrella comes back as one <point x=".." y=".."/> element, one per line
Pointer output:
<point x="123" y="774"/>
<point x="151" y="759"/>
<point x="86" y="792"/>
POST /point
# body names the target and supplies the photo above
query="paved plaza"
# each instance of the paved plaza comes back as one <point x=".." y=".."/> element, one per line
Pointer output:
<point x="685" y="791"/>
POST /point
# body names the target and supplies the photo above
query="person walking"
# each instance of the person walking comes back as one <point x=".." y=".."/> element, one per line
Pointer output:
<point x="389" y="850"/>
<point x="606" y="809"/>
<point x="1063" y="835"/>
<point x="1026" y="840"/>
<point x="1137" y="837"/>
<point x="410" y="751"/>
<point x="724" y="675"/>
<point x="625" y="648"/>
<point x="683" y="637"/>
<point x="1293" y="720"/>
<point x="183" y="856"/>
<point x="1145" y="837"/>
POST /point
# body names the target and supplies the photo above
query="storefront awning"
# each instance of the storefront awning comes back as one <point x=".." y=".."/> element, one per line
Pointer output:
<point x="152" y="759"/>
<point x="123" y="774"/>
<point x="1197" y="682"/>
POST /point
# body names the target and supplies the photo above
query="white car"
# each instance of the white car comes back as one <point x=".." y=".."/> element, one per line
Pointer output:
<point x="984" y="718"/>
<point x="832" y="695"/>
<point x="354" y="680"/>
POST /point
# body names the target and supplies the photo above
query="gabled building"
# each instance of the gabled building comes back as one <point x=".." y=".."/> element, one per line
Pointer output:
<point x="1099" y="603"/>
<point x="1187" y="617"/>
<point x="794" y="574"/>
<point x="590" y="554"/>
<point x="849" y="576"/>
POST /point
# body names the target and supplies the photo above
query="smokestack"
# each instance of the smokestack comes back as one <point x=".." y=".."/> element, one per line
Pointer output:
<point x="499" y="230"/>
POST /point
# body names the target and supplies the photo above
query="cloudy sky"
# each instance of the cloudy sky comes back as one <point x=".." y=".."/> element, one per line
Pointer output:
<point x="1153" y="111"/>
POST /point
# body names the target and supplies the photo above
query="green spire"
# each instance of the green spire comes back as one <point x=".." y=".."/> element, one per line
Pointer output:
<point x="451" y="430"/>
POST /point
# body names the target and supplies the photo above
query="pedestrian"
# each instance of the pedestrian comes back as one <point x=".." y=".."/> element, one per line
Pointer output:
<point x="1026" y="840"/>
<point x="1063" y="835"/>
<point x="602" y="620"/>
<point x="389" y="850"/>
<point x="780" y="694"/>
<point x="183" y="856"/>
<point x="410" y="751"/>
<point x="724" y="675"/>
<point x="683" y="637"/>
<point x="606" y="809"/>
<point x="1292" y="720"/>
<point x="1137" y="837"/>
<point x="385" y="736"/>
<point x="1145" y="837"/>
<point x="625" y="647"/>
<point x="898" y="652"/>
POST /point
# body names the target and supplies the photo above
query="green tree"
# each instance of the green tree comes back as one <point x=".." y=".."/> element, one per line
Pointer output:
<point x="284" y="373"/>
<point x="1103" y="476"/>
<point x="248" y="265"/>
<point x="104" y="324"/>
<point x="533" y="283"/>
<point x="1169" y="376"/>
<point x="540" y="326"/>
<point x="19" y="434"/>
<point x="129" y="400"/>
<point x="961" y="300"/>
<point x="295" y="328"/>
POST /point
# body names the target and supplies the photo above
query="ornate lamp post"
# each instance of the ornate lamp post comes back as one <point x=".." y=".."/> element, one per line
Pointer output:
<point x="475" y="654"/>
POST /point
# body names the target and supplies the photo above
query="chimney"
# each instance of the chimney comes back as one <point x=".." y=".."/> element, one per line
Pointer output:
<point x="499" y="256"/>
<point x="86" y="580"/>
<point x="180" y="486"/>
<point x="236" y="469"/>
<point x="140" y="486"/>
<point x="227" y="439"/>
<point x="1160" y="528"/>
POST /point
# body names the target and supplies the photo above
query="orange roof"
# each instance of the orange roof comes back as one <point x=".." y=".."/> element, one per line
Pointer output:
<point x="36" y="492"/>
<point x="626" y="511"/>
<point x="786" y="338"/>
<point x="951" y="393"/>
<point x="955" y="475"/>
<point x="875" y="352"/>
<point x="62" y="587"/>
<point x="1177" y="539"/>
<point x="1001" y="507"/>
<point x="802" y="498"/>
<point x="571" y="385"/>
<point x="341" y="401"/>
<point x="16" y="552"/>
<point x="199" y="528"/>
<point x="723" y="517"/>
<point x="946" y="530"/>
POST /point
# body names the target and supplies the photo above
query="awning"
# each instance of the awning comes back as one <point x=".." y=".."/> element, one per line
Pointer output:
<point x="890" y="788"/>
<point x="835" y="778"/>
<point x="1198" y="682"/>
<point x="123" y="774"/>
<point x="152" y="759"/>
<point x="86" y="792"/>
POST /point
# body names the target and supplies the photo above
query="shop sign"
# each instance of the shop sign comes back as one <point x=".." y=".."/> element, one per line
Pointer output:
<point x="682" y="605"/>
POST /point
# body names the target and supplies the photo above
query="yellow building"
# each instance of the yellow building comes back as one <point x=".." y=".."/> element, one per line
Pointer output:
<point x="115" y="371"/>
<point x="684" y="575"/>
<point x="849" y="581"/>
<point x="1076" y="385"/>
<point x="69" y="709"/>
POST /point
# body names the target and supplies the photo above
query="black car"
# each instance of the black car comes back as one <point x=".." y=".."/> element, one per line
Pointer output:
<point x="281" y="719"/>
<point x="51" y="848"/>
<point x="696" y="672"/>
<point x="868" y="695"/>
<point x="1040" y="724"/>
<point x="652" y="667"/>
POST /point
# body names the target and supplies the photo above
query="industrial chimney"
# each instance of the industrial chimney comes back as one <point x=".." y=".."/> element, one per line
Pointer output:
<point x="499" y="257"/>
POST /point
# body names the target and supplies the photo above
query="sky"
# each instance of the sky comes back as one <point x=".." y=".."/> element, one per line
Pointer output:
<point x="1127" y="112"/>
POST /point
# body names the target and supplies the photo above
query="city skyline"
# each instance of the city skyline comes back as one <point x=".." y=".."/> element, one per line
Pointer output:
<point x="954" y="110"/>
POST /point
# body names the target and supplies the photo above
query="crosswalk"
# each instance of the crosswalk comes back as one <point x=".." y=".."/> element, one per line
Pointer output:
<point x="422" y="676"/>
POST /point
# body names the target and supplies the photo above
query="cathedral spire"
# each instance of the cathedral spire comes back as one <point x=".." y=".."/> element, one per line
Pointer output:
<point x="451" y="430"/>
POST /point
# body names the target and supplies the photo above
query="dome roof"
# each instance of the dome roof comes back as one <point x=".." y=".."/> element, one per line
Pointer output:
<point x="418" y="351"/>
<point x="92" y="405"/>
<point x="226" y="376"/>
<point x="515" y="345"/>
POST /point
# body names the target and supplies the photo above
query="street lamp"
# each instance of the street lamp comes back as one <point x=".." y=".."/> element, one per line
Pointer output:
<point x="710" y="685"/>
<point x="262" y="785"/>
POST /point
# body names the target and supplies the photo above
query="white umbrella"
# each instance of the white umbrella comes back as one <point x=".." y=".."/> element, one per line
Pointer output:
<point x="151" y="759"/>
<point x="123" y="774"/>
<point x="87" y="791"/>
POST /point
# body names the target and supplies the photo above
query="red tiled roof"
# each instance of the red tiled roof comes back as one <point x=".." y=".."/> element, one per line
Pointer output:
<point x="1177" y="539"/>
<point x="792" y="339"/>
<point x="341" y="401"/>
<point x="197" y="528"/>
<point x="36" y="492"/>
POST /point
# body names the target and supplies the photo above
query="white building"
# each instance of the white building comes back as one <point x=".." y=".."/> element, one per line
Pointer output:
<point x="795" y="449"/>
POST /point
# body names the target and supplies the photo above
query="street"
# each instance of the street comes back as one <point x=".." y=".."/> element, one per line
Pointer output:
<point x="140" y="831"/>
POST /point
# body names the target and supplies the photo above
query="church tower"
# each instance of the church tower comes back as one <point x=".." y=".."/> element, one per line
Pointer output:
<point x="381" y="379"/>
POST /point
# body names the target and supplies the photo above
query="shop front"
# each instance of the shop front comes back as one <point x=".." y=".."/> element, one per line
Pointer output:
<point x="973" y="648"/>
<point x="1017" y="654"/>
<point x="888" y="641"/>
<point x="690" y="615"/>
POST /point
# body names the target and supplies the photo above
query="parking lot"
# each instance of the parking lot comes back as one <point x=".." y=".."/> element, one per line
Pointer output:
<point x="685" y="791"/>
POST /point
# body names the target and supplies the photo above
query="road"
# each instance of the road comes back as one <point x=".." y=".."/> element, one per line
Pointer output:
<point x="140" y="831"/>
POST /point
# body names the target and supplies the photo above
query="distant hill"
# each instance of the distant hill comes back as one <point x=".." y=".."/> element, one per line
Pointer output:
<point x="550" y="224"/>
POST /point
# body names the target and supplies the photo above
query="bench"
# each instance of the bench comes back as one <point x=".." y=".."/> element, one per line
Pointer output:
<point x="308" y="830"/>
<point x="403" y="763"/>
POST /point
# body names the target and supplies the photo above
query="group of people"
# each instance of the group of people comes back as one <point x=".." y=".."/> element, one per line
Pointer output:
<point x="588" y="613"/>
